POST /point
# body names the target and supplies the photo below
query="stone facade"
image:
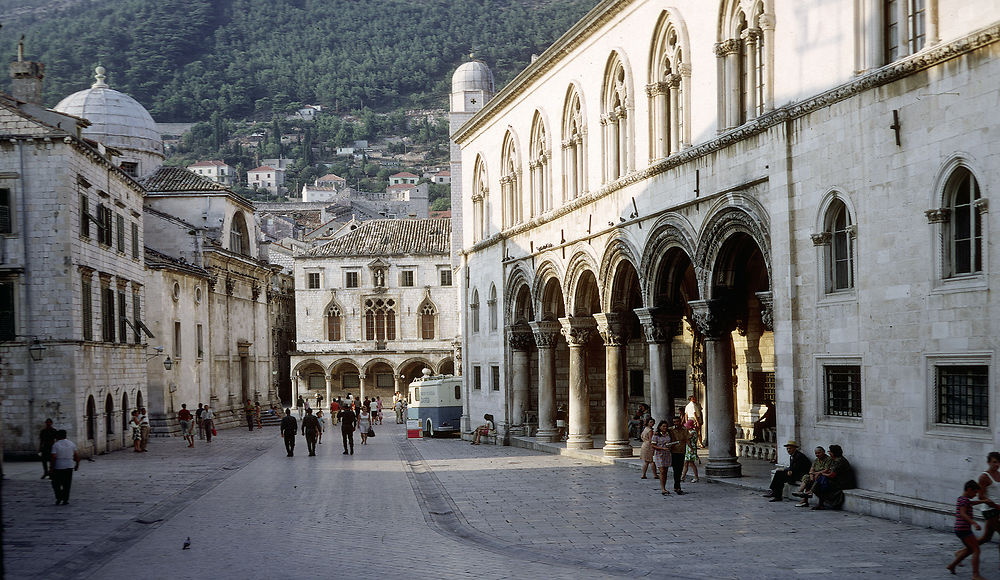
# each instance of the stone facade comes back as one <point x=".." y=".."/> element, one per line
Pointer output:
<point x="741" y="206"/>
<point x="71" y="261"/>
<point x="373" y="309"/>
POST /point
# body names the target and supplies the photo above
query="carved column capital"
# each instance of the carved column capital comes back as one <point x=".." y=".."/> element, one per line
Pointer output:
<point x="982" y="205"/>
<point x="613" y="328"/>
<point x="577" y="330"/>
<point x="938" y="216"/>
<point x="657" y="324"/>
<point x="821" y="239"/>
<point x="711" y="317"/>
<point x="766" y="300"/>
<point x="727" y="47"/>
<point x="519" y="337"/>
<point x="766" y="21"/>
<point x="546" y="333"/>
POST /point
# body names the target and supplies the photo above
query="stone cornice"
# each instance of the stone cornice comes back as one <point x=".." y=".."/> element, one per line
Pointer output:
<point x="879" y="77"/>
<point x="85" y="149"/>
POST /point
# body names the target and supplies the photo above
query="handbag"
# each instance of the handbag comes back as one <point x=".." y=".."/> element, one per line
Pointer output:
<point x="214" y="432"/>
<point x="371" y="432"/>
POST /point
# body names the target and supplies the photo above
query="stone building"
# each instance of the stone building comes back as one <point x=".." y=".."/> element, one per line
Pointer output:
<point x="71" y="271"/>
<point x="725" y="199"/>
<point x="214" y="282"/>
<point x="215" y="170"/>
<point x="373" y="309"/>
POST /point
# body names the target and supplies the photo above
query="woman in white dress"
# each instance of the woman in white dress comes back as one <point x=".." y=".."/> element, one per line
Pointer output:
<point x="364" y="423"/>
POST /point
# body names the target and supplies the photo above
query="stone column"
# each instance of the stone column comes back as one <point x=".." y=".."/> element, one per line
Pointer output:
<point x="766" y="23"/>
<point x="296" y="388"/>
<point x="546" y="334"/>
<point x="614" y="332"/>
<point x="577" y="331"/>
<point x="714" y="324"/>
<point x="750" y="38"/>
<point x="329" y="390"/>
<point x="519" y="338"/>
<point x="361" y="384"/>
<point x="658" y="327"/>
<point x="673" y="114"/>
<point x="580" y="165"/>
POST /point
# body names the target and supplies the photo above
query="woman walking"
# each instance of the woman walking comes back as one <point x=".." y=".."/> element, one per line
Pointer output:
<point x="691" y="453"/>
<point x="364" y="424"/>
<point x="646" y="451"/>
<point x="136" y="428"/>
<point x="662" y="443"/>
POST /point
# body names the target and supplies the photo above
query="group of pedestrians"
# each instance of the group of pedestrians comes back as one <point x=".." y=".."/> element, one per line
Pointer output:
<point x="139" y="429"/>
<point x="977" y="492"/>
<point x="670" y="444"/>
<point x="203" y="420"/>
<point x="59" y="460"/>
<point x="825" y="478"/>
<point x="347" y="413"/>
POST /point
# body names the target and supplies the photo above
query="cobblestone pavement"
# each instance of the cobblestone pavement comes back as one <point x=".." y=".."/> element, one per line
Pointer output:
<point x="426" y="508"/>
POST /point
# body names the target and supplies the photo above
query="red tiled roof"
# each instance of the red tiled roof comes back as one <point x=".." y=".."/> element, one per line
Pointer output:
<point x="178" y="179"/>
<point x="331" y="177"/>
<point x="404" y="174"/>
<point x="385" y="237"/>
<point x="444" y="213"/>
<point x="443" y="173"/>
<point x="261" y="168"/>
<point x="213" y="163"/>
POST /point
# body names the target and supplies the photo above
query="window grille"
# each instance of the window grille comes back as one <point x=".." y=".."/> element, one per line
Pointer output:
<point x="962" y="393"/>
<point x="843" y="390"/>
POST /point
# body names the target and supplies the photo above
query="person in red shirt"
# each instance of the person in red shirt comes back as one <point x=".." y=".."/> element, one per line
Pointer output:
<point x="184" y="418"/>
<point x="334" y="407"/>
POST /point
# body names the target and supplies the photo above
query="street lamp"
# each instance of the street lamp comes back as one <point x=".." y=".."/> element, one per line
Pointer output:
<point x="168" y="363"/>
<point x="36" y="349"/>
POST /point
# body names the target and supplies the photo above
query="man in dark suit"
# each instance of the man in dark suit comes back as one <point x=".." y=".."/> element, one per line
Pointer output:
<point x="348" y="423"/>
<point x="798" y="465"/>
<point x="310" y="428"/>
<point x="289" y="426"/>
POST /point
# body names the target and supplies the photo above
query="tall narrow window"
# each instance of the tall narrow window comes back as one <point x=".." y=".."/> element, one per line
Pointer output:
<point x="615" y="120"/>
<point x="108" y="314"/>
<point x="6" y="211"/>
<point x="477" y="378"/>
<point x="965" y="225"/>
<point x="474" y="310"/>
<point x="574" y="158"/>
<point x="87" y="308"/>
<point x="492" y="304"/>
<point x="541" y="191"/>
<point x="120" y="222"/>
<point x="839" y="248"/>
<point x="137" y="316"/>
<point x="510" y="181"/>
<point x="495" y="377"/>
<point x="177" y="339"/>
<point x="904" y="28"/>
<point x="105" y="234"/>
<point x="668" y="88"/>
<point x="427" y="314"/>
<point x="239" y="236"/>
<point x="200" y="341"/>
<point x="480" y="202"/>
<point x="84" y="216"/>
<point x="334" y="321"/>
<point x="380" y="319"/>
<point x="122" y="317"/>
<point x="135" y="240"/>
<point x="7" y="325"/>
<point x="745" y="55"/>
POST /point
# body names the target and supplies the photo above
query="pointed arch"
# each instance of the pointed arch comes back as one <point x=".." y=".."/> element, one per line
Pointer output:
<point x="333" y="321"/>
<point x="474" y="310"/>
<point x="617" y="117"/>
<point x="540" y="154"/>
<point x="669" y="86"/>
<point x="574" y="143"/>
<point x="510" y="180"/>
<point x="480" y="200"/>
<point x="492" y="305"/>
<point x="427" y="314"/>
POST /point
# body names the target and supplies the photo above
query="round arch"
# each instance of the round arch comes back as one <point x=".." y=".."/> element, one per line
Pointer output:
<point x="91" y="417"/>
<point x="517" y="283"/>
<point x="583" y="261"/>
<point x="548" y="294"/>
<point x="734" y="214"/>
<point x="446" y="366"/>
<point x="109" y="417"/>
<point x="307" y="363"/>
<point x="620" y="249"/>
<point x="377" y="361"/>
<point x="336" y="365"/>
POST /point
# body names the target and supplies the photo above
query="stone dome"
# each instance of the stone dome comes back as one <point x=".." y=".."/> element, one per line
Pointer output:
<point x="117" y="120"/>
<point x="473" y="76"/>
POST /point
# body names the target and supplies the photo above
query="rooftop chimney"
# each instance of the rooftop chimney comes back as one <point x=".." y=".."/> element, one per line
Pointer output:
<point x="27" y="78"/>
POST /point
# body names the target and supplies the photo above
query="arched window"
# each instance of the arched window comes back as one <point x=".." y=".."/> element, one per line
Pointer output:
<point x="109" y="416"/>
<point x="239" y="237"/>
<point x="380" y="319"/>
<point x="474" y="310"/>
<point x="669" y="88"/>
<point x="334" y="323"/>
<point x="964" y="228"/>
<point x="745" y="55"/>
<point x="573" y="147"/>
<point x="840" y="251"/>
<point x="427" y="315"/>
<point x="91" y="418"/>
<point x="510" y="181"/>
<point x="541" y="192"/>
<point x="904" y="29"/>
<point x="480" y="202"/>
<point x="615" y="118"/>
<point x="492" y="304"/>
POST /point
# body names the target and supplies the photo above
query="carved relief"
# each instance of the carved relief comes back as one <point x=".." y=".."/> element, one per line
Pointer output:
<point x="546" y="333"/>
<point x="711" y="318"/>
<point x="938" y="216"/>
<point x="519" y="337"/>
<point x="612" y="328"/>
<point x="766" y="300"/>
<point x="822" y="239"/>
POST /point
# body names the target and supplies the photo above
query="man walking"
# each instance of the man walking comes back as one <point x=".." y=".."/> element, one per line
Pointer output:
<point x="680" y="437"/>
<point x="184" y="418"/>
<point x="348" y="423"/>
<point x="289" y="427"/>
<point x="65" y="460"/>
<point x="692" y="412"/>
<point x="47" y="437"/>
<point x="248" y="410"/>
<point x="208" y="423"/>
<point x="310" y="428"/>
<point x="143" y="428"/>
<point x="198" y="420"/>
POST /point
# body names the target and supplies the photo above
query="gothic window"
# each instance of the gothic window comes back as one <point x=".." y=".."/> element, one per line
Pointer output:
<point x="380" y="319"/>
<point x="91" y="418"/>
<point x="840" y="250"/>
<point x="492" y="304"/>
<point x="334" y="323"/>
<point x="615" y="120"/>
<point x="745" y="58"/>
<point x="474" y="310"/>
<point x="480" y="202"/>
<point x="669" y="89"/>
<point x="510" y="183"/>
<point x="573" y="147"/>
<point x="966" y="228"/>
<point x="427" y="315"/>
<point x="239" y="238"/>
<point x="904" y="30"/>
<point x="541" y="190"/>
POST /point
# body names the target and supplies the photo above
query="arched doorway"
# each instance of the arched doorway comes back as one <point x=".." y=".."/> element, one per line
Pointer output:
<point x="345" y="377"/>
<point x="91" y="419"/>
<point x="109" y="420"/>
<point x="312" y="382"/>
<point x="138" y="400"/>
<point x="380" y="381"/>
<point x="126" y="417"/>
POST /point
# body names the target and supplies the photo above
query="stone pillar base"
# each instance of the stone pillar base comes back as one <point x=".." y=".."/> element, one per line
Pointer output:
<point x="618" y="450"/>
<point x="548" y="435"/>
<point x="723" y="467"/>
<point x="580" y="442"/>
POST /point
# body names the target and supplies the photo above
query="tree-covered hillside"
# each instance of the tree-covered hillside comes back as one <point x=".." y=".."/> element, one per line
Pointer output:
<point x="187" y="59"/>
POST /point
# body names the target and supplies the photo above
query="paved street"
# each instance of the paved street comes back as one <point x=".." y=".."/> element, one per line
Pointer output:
<point x="429" y="508"/>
